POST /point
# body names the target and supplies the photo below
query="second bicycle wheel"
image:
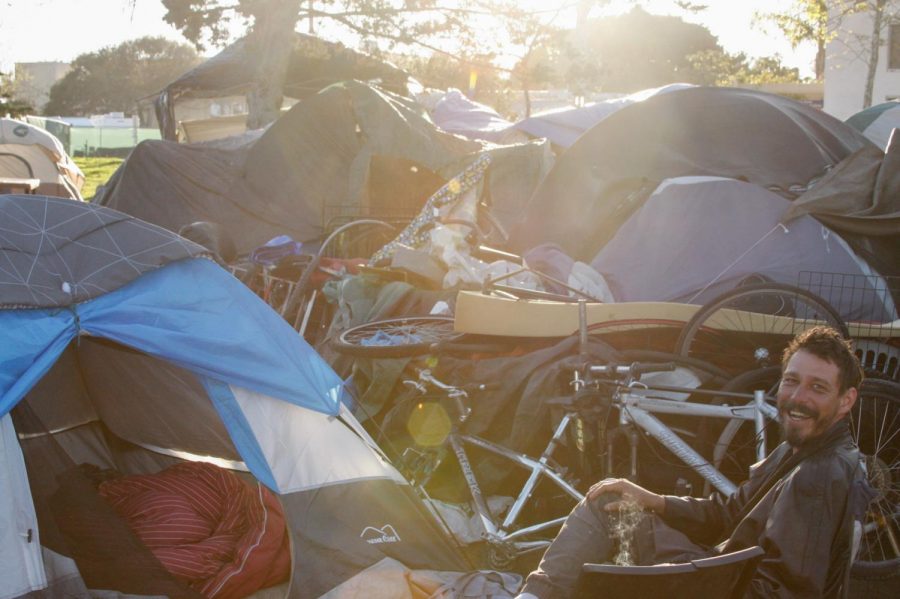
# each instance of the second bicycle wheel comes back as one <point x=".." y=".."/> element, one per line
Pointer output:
<point x="751" y="325"/>
<point x="396" y="337"/>
<point x="875" y="423"/>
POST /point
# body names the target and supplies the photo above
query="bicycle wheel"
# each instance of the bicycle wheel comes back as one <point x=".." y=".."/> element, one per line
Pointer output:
<point x="753" y="324"/>
<point x="396" y="337"/>
<point x="875" y="422"/>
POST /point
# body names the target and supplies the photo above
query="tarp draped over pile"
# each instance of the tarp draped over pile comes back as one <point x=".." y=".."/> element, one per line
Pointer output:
<point x="314" y="63"/>
<point x="769" y="140"/>
<point x="310" y="166"/>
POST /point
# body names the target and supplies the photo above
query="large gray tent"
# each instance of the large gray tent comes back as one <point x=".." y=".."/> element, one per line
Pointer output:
<point x="123" y="347"/>
<point x="313" y="166"/>
<point x="769" y="140"/>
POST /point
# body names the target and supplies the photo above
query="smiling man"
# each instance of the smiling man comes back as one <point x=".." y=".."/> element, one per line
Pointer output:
<point x="798" y="504"/>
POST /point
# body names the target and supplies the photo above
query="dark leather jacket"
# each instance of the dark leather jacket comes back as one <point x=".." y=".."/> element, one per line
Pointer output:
<point x="796" y="507"/>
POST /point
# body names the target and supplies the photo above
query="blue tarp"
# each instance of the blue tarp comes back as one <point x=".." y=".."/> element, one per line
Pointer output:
<point x="191" y="313"/>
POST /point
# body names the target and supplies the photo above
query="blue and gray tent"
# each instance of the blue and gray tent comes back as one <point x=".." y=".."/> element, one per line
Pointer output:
<point x="129" y="349"/>
<point x="877" y="122"/>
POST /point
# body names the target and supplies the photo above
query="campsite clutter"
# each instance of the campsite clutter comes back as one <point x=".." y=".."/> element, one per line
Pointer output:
<point x="438" y="413"/>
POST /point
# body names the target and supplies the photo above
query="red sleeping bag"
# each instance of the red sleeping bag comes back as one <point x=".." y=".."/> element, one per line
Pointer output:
<point x="224" y="538"/>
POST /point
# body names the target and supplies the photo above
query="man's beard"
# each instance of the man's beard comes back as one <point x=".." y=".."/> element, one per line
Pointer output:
<point x="794" y="436"/>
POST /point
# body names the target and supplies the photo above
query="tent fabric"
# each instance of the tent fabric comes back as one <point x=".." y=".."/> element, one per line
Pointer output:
<point x="860" y="195"/>
<point x="29" y="152"/>
<point x="564" y="126"/>
<point x="314" y="64"/>
<point x="877" y="122"/>
<point x="226" y="357"/>
<point x="19" y="554"/>
<point x="57" y="252"/>
<point x="769" y="140"/>
<point x="455" y="113"/>
<point x="860" y="199"/>
<point x="161" y="315"/>
<point x="697" y="237"/>
<point x="264" y="189"/>
<point x="288" y="433"/>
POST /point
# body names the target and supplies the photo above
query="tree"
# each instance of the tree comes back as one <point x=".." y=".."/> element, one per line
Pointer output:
<point x="865" y="45"/>
<point x="717" y="67"/>
<point x="9" y="104"/>
<point x="460" y="29"/>
<point x="115" y="78"/>
<point x="803" y="21"/>
<point x="821" y="20"/>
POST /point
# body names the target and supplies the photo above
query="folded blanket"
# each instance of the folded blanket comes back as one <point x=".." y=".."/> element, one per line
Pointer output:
<point x="221" y="536"/>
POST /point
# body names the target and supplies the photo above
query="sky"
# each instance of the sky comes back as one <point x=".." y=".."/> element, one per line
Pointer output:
<point x="60" y="30"/>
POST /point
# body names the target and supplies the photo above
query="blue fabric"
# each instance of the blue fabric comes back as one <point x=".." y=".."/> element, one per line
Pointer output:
<point x="241" y="433"/>
<point x="191" y="313"/>
<point x="30" y="343"/>
<point x="275" y="249"/>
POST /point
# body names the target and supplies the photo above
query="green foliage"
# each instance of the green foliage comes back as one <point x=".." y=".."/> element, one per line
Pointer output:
<point x="114" y="78"/>
<point x="9" y="104"/>
<point x="97" y="171"/>
<point x="803" y="20"/>
<point x="717" y="67"/>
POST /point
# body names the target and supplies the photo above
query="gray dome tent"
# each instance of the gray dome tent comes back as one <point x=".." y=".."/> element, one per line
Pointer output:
<point x="697" y="237"/>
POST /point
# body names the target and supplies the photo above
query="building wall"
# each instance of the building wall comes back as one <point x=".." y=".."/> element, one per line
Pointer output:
<point x="34" y="80"/>
<point x="846" y="68"/>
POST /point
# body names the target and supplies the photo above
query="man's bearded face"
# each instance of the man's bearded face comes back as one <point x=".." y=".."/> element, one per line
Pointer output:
<point x="810" y="399"/>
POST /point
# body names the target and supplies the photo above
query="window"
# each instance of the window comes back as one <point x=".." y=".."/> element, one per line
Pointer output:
<point x="894" y="46"/>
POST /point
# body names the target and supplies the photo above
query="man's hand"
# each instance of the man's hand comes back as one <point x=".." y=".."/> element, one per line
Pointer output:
<point x="628" y="491"/>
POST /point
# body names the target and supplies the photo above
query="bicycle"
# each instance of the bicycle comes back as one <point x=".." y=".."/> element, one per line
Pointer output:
<point x="875" y="422"/>
<point x="506" y="539"/>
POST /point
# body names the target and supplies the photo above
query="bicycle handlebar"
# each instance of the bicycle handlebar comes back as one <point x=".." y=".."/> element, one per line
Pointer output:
<point x="633" y="370"/>
<point x="457" y="394"/>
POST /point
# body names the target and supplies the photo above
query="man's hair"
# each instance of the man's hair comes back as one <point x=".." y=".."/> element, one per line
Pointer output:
<point x="826" y="343"/>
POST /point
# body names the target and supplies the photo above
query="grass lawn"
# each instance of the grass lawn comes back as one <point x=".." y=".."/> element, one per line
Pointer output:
<point x="97" y="171"/>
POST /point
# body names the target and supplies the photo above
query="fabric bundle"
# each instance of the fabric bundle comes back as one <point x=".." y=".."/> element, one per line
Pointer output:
<point x="221" y="536"/>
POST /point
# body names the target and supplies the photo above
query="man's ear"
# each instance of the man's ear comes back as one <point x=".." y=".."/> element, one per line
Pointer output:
<point x="847" y="400"/>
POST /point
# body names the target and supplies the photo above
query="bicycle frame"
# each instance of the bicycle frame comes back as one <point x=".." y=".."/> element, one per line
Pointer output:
<point x="636" y="409"/>
<point x="498" y="534"/>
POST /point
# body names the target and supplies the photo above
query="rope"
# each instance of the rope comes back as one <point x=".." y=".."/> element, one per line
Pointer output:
<point x="736" y="260"/>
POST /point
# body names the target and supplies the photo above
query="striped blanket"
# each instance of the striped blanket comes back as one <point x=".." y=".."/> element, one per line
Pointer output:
<point x="216" y="533"/>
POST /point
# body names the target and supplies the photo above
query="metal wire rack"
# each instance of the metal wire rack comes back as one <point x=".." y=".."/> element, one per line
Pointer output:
<point x="868" y="303"/>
